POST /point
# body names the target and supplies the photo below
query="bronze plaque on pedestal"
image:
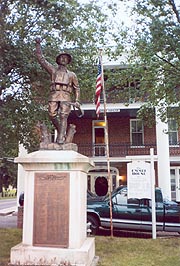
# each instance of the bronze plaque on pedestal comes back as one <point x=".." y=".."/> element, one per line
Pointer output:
<point x="51" y="210"/>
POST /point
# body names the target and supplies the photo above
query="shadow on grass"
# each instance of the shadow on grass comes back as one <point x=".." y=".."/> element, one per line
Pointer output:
<point x="136" y="234"/>
<point x="118" y="233"/>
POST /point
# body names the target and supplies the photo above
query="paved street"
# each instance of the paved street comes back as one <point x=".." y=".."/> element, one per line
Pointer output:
<point x="7" y="203"/>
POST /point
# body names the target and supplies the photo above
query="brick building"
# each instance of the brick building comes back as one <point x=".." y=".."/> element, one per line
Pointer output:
<point x="129" y="139"/>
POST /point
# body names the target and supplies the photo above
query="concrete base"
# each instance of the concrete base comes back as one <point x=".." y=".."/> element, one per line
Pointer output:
<point x="63" y="171"/>
<point x="29" y="255"/>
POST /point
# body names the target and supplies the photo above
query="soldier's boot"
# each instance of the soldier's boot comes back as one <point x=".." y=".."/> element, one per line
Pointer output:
<point x="61" y="137"/>
<point x="70" y="133"/>
<point x="56" y="124"/>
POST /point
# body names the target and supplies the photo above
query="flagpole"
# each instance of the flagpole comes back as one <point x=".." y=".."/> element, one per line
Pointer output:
<point x="107" y="145"/>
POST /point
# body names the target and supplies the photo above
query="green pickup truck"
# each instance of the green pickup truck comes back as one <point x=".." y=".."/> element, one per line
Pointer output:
<point x="132" y="213"/>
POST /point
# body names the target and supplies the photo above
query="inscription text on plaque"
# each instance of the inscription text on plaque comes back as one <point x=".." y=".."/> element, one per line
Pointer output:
<point x="51" y="210"/>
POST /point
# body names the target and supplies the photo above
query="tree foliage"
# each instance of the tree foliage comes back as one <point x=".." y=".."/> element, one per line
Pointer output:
<point x="24" y="86"/>
<point x="7" y="173"/>
<point x="63" y="26"/>
<point x="153" y="71"/>
<point x="153" y="46"/>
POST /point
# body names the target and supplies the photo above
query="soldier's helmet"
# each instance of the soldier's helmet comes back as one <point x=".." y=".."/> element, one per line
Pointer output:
<point x="69" y="56"/>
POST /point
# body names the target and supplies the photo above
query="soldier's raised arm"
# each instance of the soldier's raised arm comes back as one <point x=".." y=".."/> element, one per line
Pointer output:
<point x="42" y="61"/>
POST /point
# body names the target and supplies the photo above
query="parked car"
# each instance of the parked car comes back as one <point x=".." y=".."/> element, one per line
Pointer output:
<point x="170" y="203"/>
<point x="133" y="213"/>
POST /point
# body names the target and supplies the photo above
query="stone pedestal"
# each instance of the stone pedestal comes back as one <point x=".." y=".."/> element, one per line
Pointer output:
<point x="54" y="222"/>
<point x="20" y="217"/>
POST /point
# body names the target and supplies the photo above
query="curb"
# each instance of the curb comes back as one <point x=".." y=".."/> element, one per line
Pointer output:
<point x="8" y="211"/>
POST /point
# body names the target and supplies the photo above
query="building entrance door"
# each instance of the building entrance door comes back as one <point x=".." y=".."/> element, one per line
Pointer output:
<point x="99" y="138"/>
<point x="175" y="183"/>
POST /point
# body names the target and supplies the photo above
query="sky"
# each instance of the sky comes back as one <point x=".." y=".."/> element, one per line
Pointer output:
<point x="123" y="14"/>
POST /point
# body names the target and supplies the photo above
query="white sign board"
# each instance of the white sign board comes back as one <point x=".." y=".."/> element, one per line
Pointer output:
<point x="139" y="180"/>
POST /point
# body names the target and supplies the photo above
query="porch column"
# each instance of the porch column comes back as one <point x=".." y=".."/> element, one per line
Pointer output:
<point x="162" y="140"/>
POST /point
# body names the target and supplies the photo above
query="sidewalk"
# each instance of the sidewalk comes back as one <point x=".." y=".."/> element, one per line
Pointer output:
<point x="8" y="217"/>
<point x="8" y="211"/>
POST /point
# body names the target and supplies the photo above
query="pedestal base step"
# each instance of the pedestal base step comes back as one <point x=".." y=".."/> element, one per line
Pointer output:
<point x="46" y="256"/>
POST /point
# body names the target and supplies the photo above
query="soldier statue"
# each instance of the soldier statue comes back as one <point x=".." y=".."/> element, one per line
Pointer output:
<point x="63" y="84"/>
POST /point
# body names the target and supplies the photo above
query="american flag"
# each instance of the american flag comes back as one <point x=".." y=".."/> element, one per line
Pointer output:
<point x="98" y="88"/>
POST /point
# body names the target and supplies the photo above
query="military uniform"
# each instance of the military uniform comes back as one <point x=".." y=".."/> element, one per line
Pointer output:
<point x="64" y="83"/>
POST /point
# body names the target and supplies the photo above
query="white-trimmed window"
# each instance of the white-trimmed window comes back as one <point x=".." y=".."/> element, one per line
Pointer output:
<point x="99" y="138"/>
<point x="173" y="132"/>
<point x="136" y="132"/>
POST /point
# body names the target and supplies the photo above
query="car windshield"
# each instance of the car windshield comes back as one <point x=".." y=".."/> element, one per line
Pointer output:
<point x="123" y="190"/>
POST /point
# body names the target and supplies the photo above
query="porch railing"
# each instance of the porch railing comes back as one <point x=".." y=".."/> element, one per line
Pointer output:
<point x="121" y="150"/>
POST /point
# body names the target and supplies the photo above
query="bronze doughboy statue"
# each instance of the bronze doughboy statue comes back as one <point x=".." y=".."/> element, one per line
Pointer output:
<point x="64" y="82"/>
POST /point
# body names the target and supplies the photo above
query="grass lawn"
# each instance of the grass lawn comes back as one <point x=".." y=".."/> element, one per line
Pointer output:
<point x="8" y="197"/>
<point x="8" y="239"/>
<point x="138" y="252"/>
<point x="116" y="251"/>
